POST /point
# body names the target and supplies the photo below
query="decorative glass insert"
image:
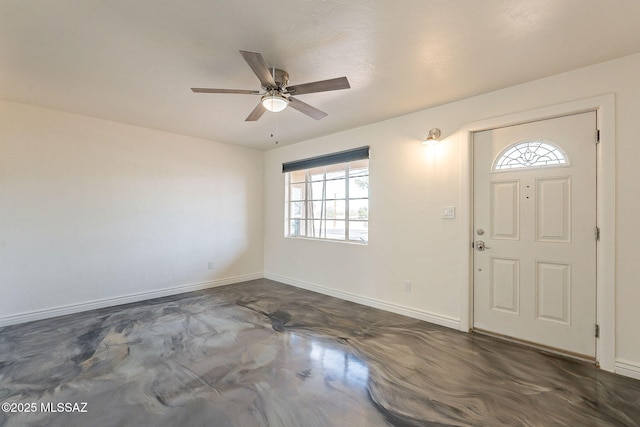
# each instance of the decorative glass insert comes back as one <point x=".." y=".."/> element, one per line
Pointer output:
<point x="530" y="154"/>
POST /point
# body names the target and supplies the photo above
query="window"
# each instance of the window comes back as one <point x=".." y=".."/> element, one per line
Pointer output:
<point x="329" y="201"/>
<point x="530" y="154"/>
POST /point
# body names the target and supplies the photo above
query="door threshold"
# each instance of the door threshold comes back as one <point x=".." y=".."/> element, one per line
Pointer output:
<point x="541" y="347"/>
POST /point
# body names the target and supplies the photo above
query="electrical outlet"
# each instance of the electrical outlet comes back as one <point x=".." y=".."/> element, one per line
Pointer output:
<point x="407" y="285"/>
<point x="210" y="265"/>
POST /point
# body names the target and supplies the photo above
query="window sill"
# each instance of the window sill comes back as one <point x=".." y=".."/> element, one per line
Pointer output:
<point x="350" y="242"/>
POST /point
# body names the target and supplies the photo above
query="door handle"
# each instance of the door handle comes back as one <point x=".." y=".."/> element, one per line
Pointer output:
<point x="480" y="246"/>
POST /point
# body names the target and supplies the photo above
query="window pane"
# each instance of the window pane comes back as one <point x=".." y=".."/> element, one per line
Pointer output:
<point x="296" y="210"/>
<point x="297" y="176"/>
<point x="296" y="227"/>
<point x="296" y="191"/>
<point x="317" y="210"/>
<point x="317" y="190"/>
<point x="316" y="228"/>
<point x="359" y="209"/>
<point x="359" y="186"/>
<point x="336" y="209"/>
<point x="336" y="229"/>
<point x="359" y="231"/>
<point x="359" y="168"/>
<point x="336" y="189"/>
<point x="317" y="174"/>
<point x="336" y="171"/>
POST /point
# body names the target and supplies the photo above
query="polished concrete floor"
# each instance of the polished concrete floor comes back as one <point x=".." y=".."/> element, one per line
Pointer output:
<point x="262" y="353"/>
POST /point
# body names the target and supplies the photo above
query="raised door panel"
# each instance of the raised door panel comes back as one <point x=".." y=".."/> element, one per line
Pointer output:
<point x="553" y="210"/>
<point x="505" y="285"/>
<point x="553" y="292"/>
<point x="505" y="210"/>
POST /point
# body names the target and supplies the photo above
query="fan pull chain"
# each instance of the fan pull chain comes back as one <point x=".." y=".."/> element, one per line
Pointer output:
<point x="277" y="127"/>
<point x="273" y="72"/>
<point x="277" y="135"/>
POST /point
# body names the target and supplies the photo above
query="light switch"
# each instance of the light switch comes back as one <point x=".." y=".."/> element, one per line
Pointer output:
<point x="448" y="212"/>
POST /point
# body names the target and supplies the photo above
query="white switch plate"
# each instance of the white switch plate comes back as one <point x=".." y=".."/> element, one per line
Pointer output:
<point x="449" y="212"/>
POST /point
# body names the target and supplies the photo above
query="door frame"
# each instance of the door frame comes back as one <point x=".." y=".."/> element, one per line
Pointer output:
<point x="604" y="106"/>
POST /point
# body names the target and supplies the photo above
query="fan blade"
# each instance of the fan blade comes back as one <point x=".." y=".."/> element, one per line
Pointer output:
<point x="256" y="113"/>
<point x="306" y="108"/>
<point x="240" y="91"/>
<point x="320" y="86"/>
<point x="260" y="69"/>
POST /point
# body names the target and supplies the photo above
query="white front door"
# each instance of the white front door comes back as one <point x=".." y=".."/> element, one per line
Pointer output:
<point x="534" y="231"/>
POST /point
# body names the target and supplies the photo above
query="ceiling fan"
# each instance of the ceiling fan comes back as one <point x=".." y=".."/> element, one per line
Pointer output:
<point x="277" y="95"/>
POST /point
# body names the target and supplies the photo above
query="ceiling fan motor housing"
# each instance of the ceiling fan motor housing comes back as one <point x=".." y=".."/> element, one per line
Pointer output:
<point x="281" y="78"/>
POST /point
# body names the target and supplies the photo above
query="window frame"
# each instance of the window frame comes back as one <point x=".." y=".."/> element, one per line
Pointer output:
<point x="308" y="199"/>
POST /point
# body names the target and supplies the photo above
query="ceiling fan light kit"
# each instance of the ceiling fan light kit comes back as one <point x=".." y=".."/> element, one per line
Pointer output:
<point x="277" y="95"/>
<point x="274" y="101"/>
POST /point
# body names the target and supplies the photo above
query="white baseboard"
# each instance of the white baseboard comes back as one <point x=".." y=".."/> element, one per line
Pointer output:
<point x="627" y="368"/>
<point x="438" y="319"/>
<point x="125" y="299"/>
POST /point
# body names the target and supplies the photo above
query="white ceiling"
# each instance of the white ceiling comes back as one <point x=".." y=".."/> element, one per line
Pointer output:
<point x="135" y="61"/>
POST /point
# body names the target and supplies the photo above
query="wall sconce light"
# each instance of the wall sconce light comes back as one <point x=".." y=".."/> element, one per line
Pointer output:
<point x="433" y="137"/>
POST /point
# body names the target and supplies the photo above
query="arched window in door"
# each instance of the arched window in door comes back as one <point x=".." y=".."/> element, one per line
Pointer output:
<point x="530" y="154"/>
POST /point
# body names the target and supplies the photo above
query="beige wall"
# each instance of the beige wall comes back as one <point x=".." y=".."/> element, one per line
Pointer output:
<point x="409" y="185"/>
<point x="95" y="213"/>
